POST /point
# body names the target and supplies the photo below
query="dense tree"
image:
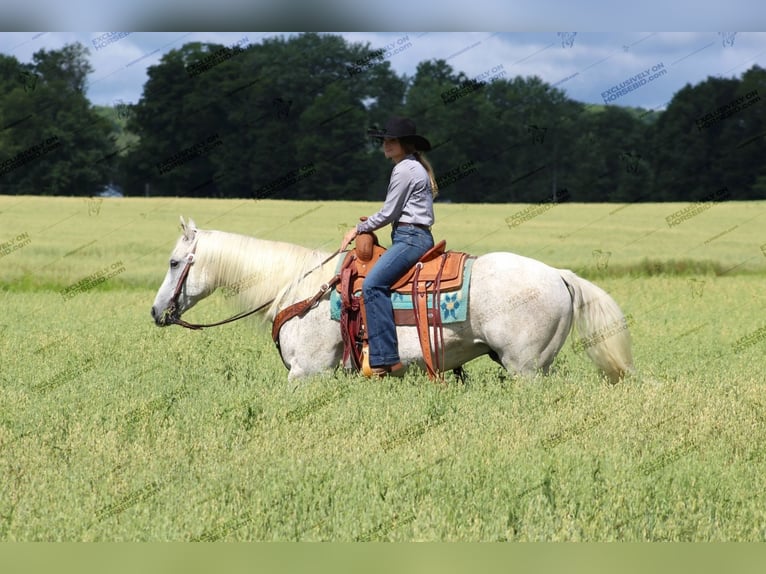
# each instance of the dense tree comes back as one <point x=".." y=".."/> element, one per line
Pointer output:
<point x="497" y="141"/>
<point x="52" y="141"/>
<point x="445" y="105"/>
<point x="177" y="121"/>
<point x="743" y="138"/>
<point x="609" y="158"/>
<point x="290" y="115"/>
<point x="711" y="139"/>
<point x="286" y="118"/>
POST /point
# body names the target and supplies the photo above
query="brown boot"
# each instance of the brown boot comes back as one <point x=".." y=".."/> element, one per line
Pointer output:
<point x="396" y="370"/>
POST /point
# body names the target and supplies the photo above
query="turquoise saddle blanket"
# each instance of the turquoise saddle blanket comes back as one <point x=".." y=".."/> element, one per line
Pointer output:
<point x="453" y="304"/>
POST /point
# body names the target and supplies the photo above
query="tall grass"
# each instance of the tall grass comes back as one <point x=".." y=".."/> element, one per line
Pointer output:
<point x="113" y="429"/>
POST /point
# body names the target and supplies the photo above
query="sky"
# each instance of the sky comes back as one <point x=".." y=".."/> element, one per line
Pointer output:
<point x="591" y="67"/>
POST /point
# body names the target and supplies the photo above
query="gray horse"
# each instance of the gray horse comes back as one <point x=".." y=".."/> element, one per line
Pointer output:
<point x="521" y="311"/>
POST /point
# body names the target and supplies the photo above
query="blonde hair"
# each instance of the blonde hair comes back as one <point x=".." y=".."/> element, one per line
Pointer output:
<point x="409" y="147"/>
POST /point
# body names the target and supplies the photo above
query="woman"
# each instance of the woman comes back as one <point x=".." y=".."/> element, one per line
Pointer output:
<point x="409" y="209"/>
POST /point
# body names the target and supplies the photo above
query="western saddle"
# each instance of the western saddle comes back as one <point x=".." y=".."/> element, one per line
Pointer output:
<point x="438" y="271"/>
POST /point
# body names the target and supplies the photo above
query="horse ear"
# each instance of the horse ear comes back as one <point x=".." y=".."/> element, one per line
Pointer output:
<point x="189" y="229"/>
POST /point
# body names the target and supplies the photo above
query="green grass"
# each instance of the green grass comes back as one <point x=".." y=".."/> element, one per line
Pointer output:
<point x="113" y="429"/>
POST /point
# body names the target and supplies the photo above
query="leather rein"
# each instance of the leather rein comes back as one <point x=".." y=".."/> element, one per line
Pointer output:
<point x="197" y="326"/>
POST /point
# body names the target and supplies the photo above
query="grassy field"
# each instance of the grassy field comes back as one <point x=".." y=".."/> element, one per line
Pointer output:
<point x="113" y="429"/>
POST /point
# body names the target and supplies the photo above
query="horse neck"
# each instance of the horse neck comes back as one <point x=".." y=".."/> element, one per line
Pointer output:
<point x="258" y="270"/>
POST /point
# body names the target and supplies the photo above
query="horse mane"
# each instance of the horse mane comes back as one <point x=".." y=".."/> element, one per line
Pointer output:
<point x="256" y="270"/>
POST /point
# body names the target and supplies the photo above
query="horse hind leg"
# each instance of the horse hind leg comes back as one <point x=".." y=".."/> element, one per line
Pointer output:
<point x="508" y="357"/>
<point x="521" y="310"/>
<point x="530" y="356"/>
<point x="526" y="367"/>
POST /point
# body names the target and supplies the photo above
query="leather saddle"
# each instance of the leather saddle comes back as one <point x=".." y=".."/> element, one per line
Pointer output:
<point x="437" y="271"/>
<point x="436" y="263"/>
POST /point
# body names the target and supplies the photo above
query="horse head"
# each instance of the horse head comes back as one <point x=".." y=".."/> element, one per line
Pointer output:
<point x="184" y="285"/>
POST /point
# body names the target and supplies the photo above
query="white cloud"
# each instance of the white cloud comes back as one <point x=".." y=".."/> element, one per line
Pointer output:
<point x="594" y="62"/>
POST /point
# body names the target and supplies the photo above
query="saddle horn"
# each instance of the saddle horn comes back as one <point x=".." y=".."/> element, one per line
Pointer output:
<point x="365" y="244"/>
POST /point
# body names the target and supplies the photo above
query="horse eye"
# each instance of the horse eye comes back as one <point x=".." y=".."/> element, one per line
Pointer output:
<point x="173" y="263"/>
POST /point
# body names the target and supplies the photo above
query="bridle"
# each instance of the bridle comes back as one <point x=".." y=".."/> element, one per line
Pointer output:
<point x="189" y="260"/>
<point x="171" y="310"/>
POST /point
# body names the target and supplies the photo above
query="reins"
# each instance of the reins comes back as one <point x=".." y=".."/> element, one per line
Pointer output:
<point x="238" y="316"/>
<point x="198" y="326"/>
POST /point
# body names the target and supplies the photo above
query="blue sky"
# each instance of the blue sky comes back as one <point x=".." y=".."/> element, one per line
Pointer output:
<point x="584" y="64"/>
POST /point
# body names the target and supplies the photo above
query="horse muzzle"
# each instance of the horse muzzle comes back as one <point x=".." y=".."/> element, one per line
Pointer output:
<point x="167" y="317"/>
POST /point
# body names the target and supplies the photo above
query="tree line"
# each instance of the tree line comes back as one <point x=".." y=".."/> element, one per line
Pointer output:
<point x="287" y="118"/>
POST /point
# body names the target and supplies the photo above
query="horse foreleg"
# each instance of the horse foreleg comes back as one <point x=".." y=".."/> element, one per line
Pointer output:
<point x="311" y="345"/>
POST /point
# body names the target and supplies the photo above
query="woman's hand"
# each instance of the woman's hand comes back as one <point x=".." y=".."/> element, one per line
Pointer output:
<point x="348" y="238"/>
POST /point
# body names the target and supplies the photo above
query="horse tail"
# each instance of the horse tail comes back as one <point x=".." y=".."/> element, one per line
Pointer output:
<point x="601" y="326"/>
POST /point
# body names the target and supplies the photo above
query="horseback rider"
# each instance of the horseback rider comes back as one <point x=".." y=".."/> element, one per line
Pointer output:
<point x="408" y="207"/>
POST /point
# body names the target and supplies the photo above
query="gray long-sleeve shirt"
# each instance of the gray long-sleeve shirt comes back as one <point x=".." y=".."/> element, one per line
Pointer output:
<point x="409" y="198"/>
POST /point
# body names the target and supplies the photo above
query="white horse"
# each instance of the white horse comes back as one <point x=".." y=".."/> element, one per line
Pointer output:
<point x="521" y="311"/>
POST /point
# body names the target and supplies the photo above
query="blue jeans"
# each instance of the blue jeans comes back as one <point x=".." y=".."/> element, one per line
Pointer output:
<point x="408" y="244"/>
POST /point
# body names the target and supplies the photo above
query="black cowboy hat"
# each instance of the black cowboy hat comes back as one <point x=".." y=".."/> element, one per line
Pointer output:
<point x="403" y="129"/>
